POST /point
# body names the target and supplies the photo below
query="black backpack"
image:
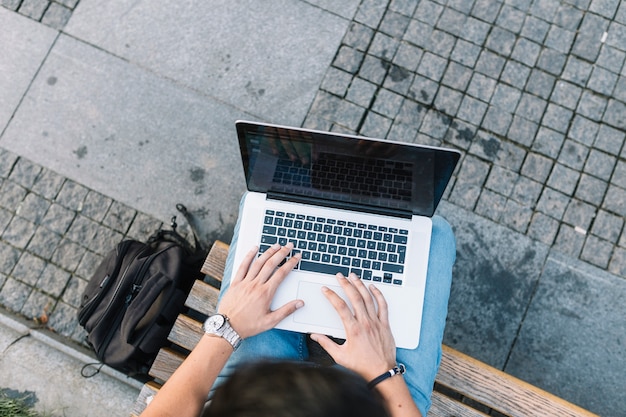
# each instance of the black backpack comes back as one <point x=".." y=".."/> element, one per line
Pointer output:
<point x="131" y="303"/>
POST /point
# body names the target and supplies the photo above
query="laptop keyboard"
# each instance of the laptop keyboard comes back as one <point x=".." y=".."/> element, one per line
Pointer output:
<point x="374" y="253"/>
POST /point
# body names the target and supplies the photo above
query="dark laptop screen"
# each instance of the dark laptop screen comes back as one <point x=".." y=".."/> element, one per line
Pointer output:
<point x="350" y="171"/>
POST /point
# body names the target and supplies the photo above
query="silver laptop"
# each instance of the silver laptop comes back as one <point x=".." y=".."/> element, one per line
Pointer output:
<point x="348" y="204"/>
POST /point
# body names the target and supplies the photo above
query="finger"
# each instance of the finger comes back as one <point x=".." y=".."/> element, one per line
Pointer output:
<point x="383" y="308"/>
<point x="283" y="312"/>
<point x="366" y="296"/>
<point x="353" y="295"/>
<point x="326" y="343"/>
<point x="345" y="314"/>
<point x="245" y="264"/>
<point x="269" y="266"/>
<point x="281" y="273"/>
<point x="258" y="264"/>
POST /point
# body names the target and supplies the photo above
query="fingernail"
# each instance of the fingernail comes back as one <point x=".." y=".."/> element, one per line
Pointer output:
<point x="300" y="304"/>
<point x="354" y="277"/>
<point x="275" y="246"/>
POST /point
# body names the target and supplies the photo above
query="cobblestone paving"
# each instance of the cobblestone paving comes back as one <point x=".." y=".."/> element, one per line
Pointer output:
<point x="55" y="13"/>
<point x="533" y="92"/>
<point x="53" y="233"/>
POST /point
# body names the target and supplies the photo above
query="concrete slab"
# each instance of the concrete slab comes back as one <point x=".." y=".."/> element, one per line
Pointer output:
<point x="494" y="278"/>
<point x="132" y="135"/>
<point x="30" y="365"/>
<point x="573" y="341"/>
<point x="267" y="59"/>
<point x="23" y="46"/>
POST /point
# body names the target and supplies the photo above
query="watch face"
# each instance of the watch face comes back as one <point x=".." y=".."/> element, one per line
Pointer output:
<point x="214" y="322"/>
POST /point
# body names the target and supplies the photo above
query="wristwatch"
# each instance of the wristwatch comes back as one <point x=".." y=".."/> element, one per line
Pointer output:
<point x="218" y="325"/>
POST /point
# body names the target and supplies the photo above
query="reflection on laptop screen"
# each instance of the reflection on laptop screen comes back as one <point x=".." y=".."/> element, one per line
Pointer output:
<point x="346" y="169"/>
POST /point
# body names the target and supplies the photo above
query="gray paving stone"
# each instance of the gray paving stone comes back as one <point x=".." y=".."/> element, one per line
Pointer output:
<point x="531" y="107"/>
<point x="10" y="4"/>
<point x="19" y="232"/>
<point x="614" y="114"/>
<point x="557" y="118"/>
<point x="543" y="228"/>
<point x="619" y="174"/>
<point x="28" y="269"/>
<point x="432" y="66"/>
<point x="435" y="124"/>
<point x="460" y="134"/>
<point x="567" y="323"/>
<point x="501" y="180"/>
<point x="56" y="16"/>
<point x="465" y="53"/>
<point x="448" y="100"/>
<point x="540" y="83"/>
<point x="14" y="294"/>
<point x="551" y="61"/>
<point x="481" y="87"/>
<point x="428" y="11"/>
<point x="602" y="81"/>
<point x="491" y="205"/>
<point x="44" y="242"/>
<point x="452" y="21"/>
<point x="82" y="230"/>
<point x="472" y="110"/>
<point x="523" y="131"/>
<point x="485" y="146"/>
<point x="88" y="264"/>
<point x="591" y="30"/>
<point x="398" y="80"/>
<point x="606" y="8"/>
<point x="600" y="164"/>
<point x="563" y="178"/>
<point x="37" y="305"/>
<point x="548" y="142"/>
<point x="5" y="219"/>
<point x="591" y="106"/>
<point x="11" y="195"/>
<point x="511" y="18"/>
<point x="7" y="161"/>
<point x="618" y="262"/>
<point x="33" y="208"/>
<point x="544" y="9"/>
<point x="591" y="189"/>
<point x="418" y="33"/>
<point x="597" y="252"/>
<point x="68" y="3"/>
<point x="510" y="155"/>
<point x="583" y="130"/>
<point x="74" y="291"/>
<point x="119" y="217"/>
<point x="408" y="56"/>
<point x="33" y="8"/>
<point x="48" y="184"/>
<point x="336" y="81"/>
<point x="53" y="280"/>
<point x="500" y="41"/>
<point x="68" y="254"/>
<point x="615" y="200"/>
<point x="566" y="94"/>
<point x="373" y="69"/>
<point x="577" y="71"/>
<point x="457" y="76"/>
<point x="423" y="90"/>
<point x="472" y="174"/>
<point x="515" y="74"/>
<point x="387" y="103"/>
<point x="490" y="64"/>
<point x="535" y="29"/>
<point x="361" y="92"/>
<point x="607" y="226"/>
<point x="24" y="172"/>
<point x="537" y="167"/>
<point x="579" y="214"/>
<point x="569" y="241"/>
<point x="394" y="24"/>
<point x="526" y="191"/>
<point x="383" y="46"/>
<point x="475" y="30"/>
<point x="64" y="321"/>
<point x="58" y="218"/>
<point x="348" y="59"/>
<point x="375" y="125"/>
<point x="370" y="12"/>
<point x="497" y="121"/>
<point x="611" y="58"/>
<point x="568" y="17"/>
<point x="517" y="216"/>
<point x="405" y="7"/>
<point x="486" y="10"/>
<point x="358" y="36"/>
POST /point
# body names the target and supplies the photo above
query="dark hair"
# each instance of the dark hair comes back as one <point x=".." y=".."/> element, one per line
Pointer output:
<point x="294" y="389"/>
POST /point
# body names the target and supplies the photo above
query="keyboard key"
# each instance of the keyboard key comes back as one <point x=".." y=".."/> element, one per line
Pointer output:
<point x="399" y="269"/>
<point x="323" y="268"/>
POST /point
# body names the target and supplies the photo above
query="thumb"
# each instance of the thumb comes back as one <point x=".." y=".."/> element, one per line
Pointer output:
<point x="326" y="343"/>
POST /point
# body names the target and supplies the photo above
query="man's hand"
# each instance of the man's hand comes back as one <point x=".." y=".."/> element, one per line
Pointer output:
<point x="370" y="349"/>
<point x="247" y="301"/>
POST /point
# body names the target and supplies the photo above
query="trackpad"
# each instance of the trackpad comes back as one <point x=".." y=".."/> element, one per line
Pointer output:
<point x="317" y="309"/>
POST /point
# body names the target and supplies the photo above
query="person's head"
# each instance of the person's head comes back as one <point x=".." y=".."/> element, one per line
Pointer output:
<point x="294" y="389"/>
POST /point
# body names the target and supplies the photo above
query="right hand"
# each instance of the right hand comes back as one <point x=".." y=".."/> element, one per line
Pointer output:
<point x="369" y="349"/>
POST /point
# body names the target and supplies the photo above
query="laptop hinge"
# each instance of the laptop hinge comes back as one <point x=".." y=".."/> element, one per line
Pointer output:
<point x="341" y="205"/>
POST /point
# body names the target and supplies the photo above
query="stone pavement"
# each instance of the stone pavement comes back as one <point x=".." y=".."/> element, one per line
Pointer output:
<point x="533" y="92"/>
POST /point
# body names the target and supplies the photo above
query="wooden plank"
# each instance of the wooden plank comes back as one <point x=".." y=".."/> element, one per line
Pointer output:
<point x="499" y="391"/>
<point x="186" y="332"/>
<point x="166" y="362"/>
<point x="443" y="406"/>
<point x="216" y="260"/>
<point x="147" y="393"/>
<point x="202" y="298"/>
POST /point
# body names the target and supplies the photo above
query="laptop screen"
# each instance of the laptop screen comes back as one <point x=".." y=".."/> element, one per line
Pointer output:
<point x="348" y="170"/>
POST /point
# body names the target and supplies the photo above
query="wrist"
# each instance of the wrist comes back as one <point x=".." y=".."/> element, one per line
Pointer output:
<point x="397" y="370"/>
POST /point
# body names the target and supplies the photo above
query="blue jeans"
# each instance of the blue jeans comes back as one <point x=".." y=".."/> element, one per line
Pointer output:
<point x="421" y="363"/>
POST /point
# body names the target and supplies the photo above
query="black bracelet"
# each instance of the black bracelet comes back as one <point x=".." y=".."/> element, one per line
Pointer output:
<point x="399" y="369"/>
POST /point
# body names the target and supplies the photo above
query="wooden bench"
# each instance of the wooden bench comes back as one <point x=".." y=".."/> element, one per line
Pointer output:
<point x="464" y="386"/>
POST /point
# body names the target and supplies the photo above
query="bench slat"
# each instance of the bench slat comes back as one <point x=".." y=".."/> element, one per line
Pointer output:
<point x="443" y="406"/>
<point x="500" y="391"/>
<point x="186" y="332"/>
<point x="216" y="260"/>
<point x="202" y="298"/>
<point x="166" y="362"/>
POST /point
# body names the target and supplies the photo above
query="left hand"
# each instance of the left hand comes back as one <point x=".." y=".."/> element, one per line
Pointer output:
<point x="247" y="301"/>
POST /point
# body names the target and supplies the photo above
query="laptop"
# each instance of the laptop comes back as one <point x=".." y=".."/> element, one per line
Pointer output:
<point x="348" y="204"/>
